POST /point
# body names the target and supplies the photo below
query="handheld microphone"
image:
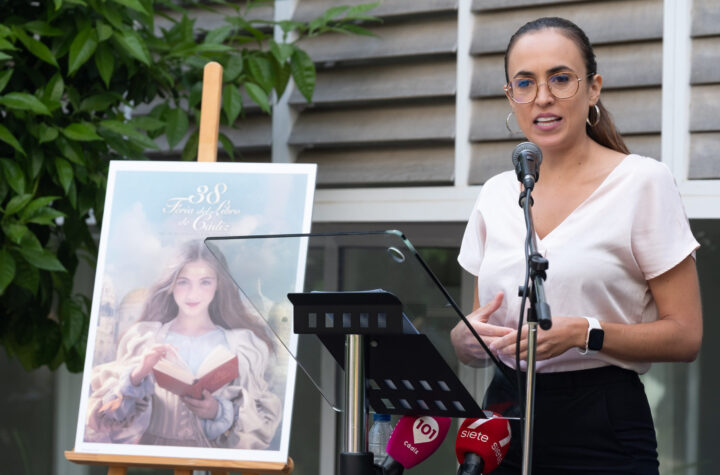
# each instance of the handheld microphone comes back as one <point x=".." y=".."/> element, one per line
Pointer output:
<point x="527" y="158"/>
<point x="412" y="441"/>
<point x="482" y="444"/>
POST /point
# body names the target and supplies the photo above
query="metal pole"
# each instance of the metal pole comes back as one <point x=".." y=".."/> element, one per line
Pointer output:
<point x="354" y="394"/>
<point x="529" y="399"/>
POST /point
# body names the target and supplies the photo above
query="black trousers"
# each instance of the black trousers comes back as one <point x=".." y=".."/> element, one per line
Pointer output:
<point x="594" y="421"/>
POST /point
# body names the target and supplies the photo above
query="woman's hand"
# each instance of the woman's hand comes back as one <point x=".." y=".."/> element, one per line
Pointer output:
<point x="566" y="333"/>
<point x="205" y="408"/>
<point x="466" y="346"/>
<point x="148" y="361"/>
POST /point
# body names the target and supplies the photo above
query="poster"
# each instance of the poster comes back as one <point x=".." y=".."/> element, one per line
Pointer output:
<point x="179" y="363"/>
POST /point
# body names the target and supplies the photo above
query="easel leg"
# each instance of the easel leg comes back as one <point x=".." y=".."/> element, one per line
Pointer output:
<point x="115" y="470"/>
<point x="183" y="471"/>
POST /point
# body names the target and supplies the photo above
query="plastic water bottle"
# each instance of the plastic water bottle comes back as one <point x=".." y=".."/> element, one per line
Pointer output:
<point x="378" y="436"/>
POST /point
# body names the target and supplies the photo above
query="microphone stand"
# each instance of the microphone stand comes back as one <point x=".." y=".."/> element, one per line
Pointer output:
<point x="538" y="313"/>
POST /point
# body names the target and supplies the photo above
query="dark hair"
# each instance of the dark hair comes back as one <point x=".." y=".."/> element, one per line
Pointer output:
<point x="227" y="309"/>
<point x="604" y="131"/>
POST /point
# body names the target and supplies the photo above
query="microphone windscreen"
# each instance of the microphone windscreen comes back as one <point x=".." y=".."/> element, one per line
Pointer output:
<point x="416" y="438"/>
<point x="489" y="438"/>
<point x="526" y="146"/>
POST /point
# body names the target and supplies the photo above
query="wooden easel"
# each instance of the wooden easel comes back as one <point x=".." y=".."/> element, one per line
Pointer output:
<point x="118" y="464"/>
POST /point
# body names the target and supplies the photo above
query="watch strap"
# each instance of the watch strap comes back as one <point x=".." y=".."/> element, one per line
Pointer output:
<point x="593" y="324"/>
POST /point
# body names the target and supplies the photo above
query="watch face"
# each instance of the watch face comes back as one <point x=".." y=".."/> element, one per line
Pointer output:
<point x="595" y="340"/>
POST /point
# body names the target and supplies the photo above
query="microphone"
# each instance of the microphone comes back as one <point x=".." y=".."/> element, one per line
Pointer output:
<point x="482" y="444"/>
<point x="412" y="441"/>
<point x="527" y="158"/>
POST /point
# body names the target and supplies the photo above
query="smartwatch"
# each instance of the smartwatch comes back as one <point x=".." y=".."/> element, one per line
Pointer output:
<point x="594" y="338"/>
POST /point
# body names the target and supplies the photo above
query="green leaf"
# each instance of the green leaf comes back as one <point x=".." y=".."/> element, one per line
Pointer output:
<point x="15" y="231"/>
<point x="227" y="145"/>
<point x="72" y="320"/>
<point x="42" y="28"/>
<point x="133" y="44"/>
<point x="303" y="73"/>
<point x="58" y="4"/>
<point x="27" y="276"/>
<point x="232" y="103"/>
<point x="354" y="29"/>
<point x="134" y="5"/>
<point x="42" y="259"/>
<point x="36" y="204"/>
<point x="247" y="26"/>
<point x="5" y="78"/>
<point x="71" y="151"/>
<point x="190" y="149"/>
<point x="14" y="175"/>
<point x="24" y="101"/>
<point x="105" y="62"/>
<point x="362" y="8"/>
<point x="99" y="102"/>
<point x="177" y="126"/>
<point x="4" y="56"/>
<point x="334" y="12"/>
<point x="258" y="95"/>
<point x="261" y="71"/>
<point x="7" y="269"/>
<point x="35" y="47"/>
<point x="54" y="88"/>
<point x="37" y="161"/>
<point x="103" y="31"/>
<point x="46" y="133"/>
<point x="82" y="132"/>
<point x="281" y="73"/>
<point x="45" y="216"/>
<point x="233" y="68"/>
<point x="218" y="35"/>
<point x="281" y="51"/>
<point x="148" y="123"/>
<point x="65" y="173"/>
<point x="129" y="131"/>
<point x="82" y="49"/>
<point x="6" y="45"/>
<point x="7" y="137"/>
<point x="17" y="203"/>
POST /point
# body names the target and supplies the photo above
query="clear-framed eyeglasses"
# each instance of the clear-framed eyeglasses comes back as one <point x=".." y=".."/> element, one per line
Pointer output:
<point x="563" y="85"/>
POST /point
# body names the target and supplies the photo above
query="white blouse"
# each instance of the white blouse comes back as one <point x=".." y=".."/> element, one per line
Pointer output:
<point x="632" y="228"/>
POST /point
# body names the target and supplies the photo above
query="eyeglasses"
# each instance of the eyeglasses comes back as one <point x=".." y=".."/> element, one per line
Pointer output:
<point x="563" y="85"/>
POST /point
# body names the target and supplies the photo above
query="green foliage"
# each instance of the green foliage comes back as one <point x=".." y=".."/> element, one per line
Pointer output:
<point x="70" y="72"/>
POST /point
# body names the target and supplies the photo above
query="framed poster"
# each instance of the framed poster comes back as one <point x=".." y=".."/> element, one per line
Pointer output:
<point x="179" y="363"/>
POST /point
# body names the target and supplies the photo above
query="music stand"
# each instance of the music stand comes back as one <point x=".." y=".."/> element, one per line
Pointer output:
<point x="365" y="331"/>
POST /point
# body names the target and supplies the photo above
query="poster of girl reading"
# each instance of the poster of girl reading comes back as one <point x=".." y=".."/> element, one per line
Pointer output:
<point x="179" y="362"/>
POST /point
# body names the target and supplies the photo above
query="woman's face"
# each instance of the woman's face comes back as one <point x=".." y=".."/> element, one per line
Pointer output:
<point x="552" y="123"/>
<point x="195" y="288"/>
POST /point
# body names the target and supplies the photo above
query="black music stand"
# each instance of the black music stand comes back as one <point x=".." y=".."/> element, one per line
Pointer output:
<point x="387" y="363"/>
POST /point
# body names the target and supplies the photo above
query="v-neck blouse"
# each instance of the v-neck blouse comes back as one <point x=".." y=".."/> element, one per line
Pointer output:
<point x="632" y="228"/>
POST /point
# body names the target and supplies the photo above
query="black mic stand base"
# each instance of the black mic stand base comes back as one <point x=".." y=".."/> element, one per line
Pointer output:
<point x="358" y="463"/>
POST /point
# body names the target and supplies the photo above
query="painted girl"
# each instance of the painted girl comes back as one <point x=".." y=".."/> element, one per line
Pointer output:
<point x="188" y="313"/>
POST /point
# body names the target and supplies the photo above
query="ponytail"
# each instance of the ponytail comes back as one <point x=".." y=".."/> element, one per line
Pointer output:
<point x="603" y="131"/>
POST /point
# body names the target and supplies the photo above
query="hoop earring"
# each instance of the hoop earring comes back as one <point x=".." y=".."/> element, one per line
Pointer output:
<point x="507" y="124"/>
<point x="597" y="117"/>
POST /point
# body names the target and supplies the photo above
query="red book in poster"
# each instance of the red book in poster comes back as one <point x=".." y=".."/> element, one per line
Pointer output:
<point x="219" y="368"/>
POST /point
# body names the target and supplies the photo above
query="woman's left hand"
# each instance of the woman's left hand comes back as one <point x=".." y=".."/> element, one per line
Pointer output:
<point x="566" y="333"/>
<point x="205" y="408"/>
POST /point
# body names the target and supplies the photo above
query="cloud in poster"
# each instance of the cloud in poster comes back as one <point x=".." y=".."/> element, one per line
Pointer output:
<point x="135" y="251"/>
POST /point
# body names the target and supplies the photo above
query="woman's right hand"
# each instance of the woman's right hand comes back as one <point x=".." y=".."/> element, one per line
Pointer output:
<point x="466" y="346"/>
<point x="148" y="360"/>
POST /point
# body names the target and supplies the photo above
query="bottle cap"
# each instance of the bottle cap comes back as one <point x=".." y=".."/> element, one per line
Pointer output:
<point x="381" y="417"/>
